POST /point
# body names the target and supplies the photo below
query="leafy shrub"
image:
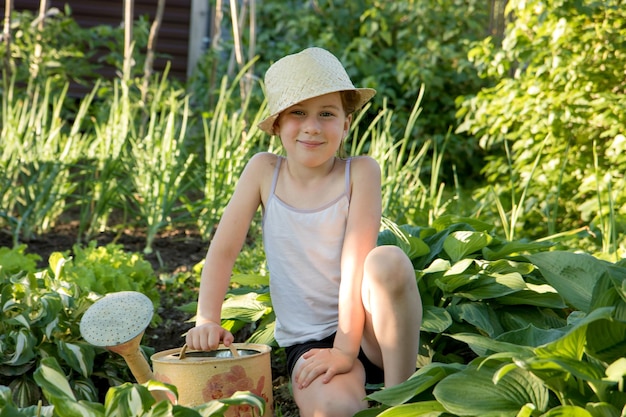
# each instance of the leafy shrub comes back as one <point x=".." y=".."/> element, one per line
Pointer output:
<point x="67" y="52"/>
<point x="70" y="53"/>
<point x="395" y="47"/>
<point x="558" y="99"/>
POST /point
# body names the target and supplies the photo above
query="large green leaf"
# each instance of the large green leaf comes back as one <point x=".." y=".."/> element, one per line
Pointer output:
<point x="572" y="344"/>
<point x="567" y="411"/>
<point x="573" y="275"/>
<point x="462" y="243"/>
<point x="500" y="251"/>
<point x="80" y="356"/>
<point x="448" y="220"/>
<point x="472" y="392"/>
<point x="52" y="380"/>
<point x="7" y="408"/>
<point x="617" y="371"/>
<point x="484" y="345"/>
<point x="617" y="273"/>
<point x="435" y="243"/>
<point x="582" y="370"/>
<point x="481" y="286"/>
<point x="435" y="319"/>
<point x="606" y="340"/>
<point x="480" y="315"/>
<point x="424" y="408"/>
<point x="535" y="295"/>
<point x="531" y="336"/>
<point x="128" y="400"/>
<point x="505" y="266"/>
<point x="497" y="285"/>
<point x="412" y="245"/>
<point x="422" y="380"/>
<point x="264" y="333"/>
<point x="58" y="392"/>
<point x="519" y="317"/>
<point x="603" y="410"/>
<point x="244" y="307"/>
<point x="250" y="280"/>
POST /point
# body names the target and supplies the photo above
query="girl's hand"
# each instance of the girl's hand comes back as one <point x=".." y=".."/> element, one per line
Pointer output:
<point x="322" y="362"/>
<point x="208" y="336"/>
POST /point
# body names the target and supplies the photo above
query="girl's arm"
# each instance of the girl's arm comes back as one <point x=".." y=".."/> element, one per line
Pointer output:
<point x="223" y="250"/>
<point x="361" y="235"/>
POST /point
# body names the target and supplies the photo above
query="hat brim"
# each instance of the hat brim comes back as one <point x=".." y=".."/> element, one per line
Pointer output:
<point x="267" y="124"/>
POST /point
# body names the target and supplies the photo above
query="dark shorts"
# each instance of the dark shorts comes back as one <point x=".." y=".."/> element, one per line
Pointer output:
<point x="373" y="374"/>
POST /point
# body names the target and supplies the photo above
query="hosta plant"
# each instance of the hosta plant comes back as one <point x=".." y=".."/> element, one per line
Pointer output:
<point x="511" y="328"/>
<point x="47" y="369"/>
<point x="124" y="400"/>
<point x="40" y="317"/>
<point x="41" y="312"/>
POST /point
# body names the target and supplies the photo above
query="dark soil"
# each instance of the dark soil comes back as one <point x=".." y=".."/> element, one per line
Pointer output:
<point x="174" y="251"/>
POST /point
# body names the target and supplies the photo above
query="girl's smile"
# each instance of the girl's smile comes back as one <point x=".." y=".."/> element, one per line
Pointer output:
<point x="312" y="130"/>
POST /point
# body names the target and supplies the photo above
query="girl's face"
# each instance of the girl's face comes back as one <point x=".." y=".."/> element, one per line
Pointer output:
<point x="313" y="130"/>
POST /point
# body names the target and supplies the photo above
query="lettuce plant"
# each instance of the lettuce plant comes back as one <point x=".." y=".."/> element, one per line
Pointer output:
<point x="105" y="269"/>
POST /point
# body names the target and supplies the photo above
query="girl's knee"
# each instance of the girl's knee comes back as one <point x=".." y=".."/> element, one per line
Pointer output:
<point x="390" y="266"/>
<point x="333" y="407"/>
<point x="344" y="395"/>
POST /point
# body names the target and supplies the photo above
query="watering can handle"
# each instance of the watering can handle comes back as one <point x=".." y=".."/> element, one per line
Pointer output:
<point x="183" y="351"/>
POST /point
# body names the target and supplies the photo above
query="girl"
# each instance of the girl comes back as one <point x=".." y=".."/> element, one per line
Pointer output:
<point x="347" y="311"/>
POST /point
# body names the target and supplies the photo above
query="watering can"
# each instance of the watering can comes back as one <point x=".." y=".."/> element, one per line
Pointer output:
<point x="118" y="322"/>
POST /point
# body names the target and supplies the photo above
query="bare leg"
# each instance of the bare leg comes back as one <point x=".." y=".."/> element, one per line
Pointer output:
<point x="343" y="396"/>
<point x="393" y="313"/>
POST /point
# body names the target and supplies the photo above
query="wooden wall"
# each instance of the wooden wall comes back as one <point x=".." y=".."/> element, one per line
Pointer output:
<point x="173" y="37"/>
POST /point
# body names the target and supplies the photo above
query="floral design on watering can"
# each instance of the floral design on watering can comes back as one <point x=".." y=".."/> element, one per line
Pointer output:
<point x="224" y="385"/>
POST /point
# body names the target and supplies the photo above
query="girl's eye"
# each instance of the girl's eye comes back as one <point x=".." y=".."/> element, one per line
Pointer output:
<point x="297" y="112"/>
<point x="327" y="114"/>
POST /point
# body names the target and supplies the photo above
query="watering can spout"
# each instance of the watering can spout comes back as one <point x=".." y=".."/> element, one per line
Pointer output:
<point x="117" y="322"/>
<point x="133" y="356"/>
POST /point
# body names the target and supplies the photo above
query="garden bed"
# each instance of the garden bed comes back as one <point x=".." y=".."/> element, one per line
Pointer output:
<point x="174" y="251"/>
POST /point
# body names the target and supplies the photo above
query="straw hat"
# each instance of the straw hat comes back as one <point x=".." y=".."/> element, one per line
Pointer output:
<point x="310" y="73"/>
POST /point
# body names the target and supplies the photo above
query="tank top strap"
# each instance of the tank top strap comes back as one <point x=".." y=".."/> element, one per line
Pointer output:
<point x="348" y="178"/>
<point x="279" y="160"/>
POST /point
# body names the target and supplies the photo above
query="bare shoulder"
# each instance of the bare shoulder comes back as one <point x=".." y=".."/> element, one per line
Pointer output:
<point x="365" y="167"/>
<point x="261" y="163"/>
<point x="259" y="173"/>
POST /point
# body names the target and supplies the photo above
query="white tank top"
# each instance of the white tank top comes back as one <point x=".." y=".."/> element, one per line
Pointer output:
<point x="303" y="251"/>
